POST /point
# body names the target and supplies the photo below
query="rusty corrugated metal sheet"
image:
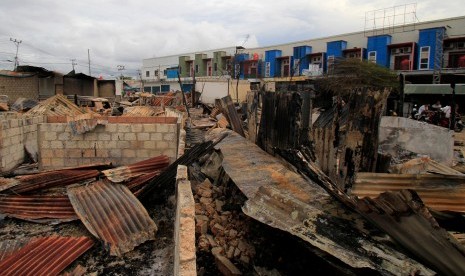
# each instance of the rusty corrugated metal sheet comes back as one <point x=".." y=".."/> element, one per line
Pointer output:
<point x="38" y="208"/>
<point x="137" y="184"/>
<point x="439" y="192"/>
<point x="143" y="111"/>
<point x="285" y="200"/>
<point x="50" y="179"/>
<point x="404" y="217"/>
<point x="45" y="256"/>
<point x="113" y="214"/>
<point x="9" y="247"/>
<point x="423" y="165"/>
<point x="124" y="173"/>
<point x="6" y="183"/>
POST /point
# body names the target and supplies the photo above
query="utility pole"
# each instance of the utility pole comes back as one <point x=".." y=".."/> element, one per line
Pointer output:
<point x="141" y="80"/>
<point x="73" y="62"/>
<point x="120" y="68"/>
<point x="16" y="42"/>
<point x="88" y="57"/>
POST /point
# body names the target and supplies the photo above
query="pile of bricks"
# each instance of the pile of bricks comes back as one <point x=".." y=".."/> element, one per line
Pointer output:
<point x="219" y="231"/>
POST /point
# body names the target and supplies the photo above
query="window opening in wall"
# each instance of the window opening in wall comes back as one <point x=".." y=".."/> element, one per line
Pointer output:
<point x="424" y="58"/>
<point x="156" y="73"/>
<point x="147" y="73"/>
<point x="267" y="69"/>
<point x="196" y="68"/>
<point x="215" y="66"/>
<point x="164" y="72"/>
<point x="372" y="56"/>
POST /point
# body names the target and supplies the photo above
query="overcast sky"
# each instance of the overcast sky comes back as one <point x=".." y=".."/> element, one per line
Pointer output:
<point x="124" y="32"/>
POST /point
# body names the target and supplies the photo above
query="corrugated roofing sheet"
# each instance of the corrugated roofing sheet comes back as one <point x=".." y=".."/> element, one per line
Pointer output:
<point x="45" y="256"/>
<point x="423" y="165"/>
<point x="8" y="247"/>
<point x="6" y="183"/>
<point x="124" y="173"/>
<point x="38" y="208"/>
<point x="50" y="179"/>
<point x="143" y="111"/>
<point x="113" y="214"/>
<point x="285" y="200"/>
<point x="439" y="192"/>
<point x="404" y="217"/>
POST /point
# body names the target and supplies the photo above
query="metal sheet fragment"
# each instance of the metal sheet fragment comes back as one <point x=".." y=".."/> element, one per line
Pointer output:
<point x="45" y="256"/>
<point x="38" y="208"/>
<point x="283" y="199"/>
<point x="439" y="192"/>
<point x="112" y="214"/>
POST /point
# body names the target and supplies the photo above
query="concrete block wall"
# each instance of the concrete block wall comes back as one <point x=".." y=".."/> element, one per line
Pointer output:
<point x="16" y="133"/>
<point x="119" y="143"/>
<point x="184" y="228"/>
<point x="14" y="88"/>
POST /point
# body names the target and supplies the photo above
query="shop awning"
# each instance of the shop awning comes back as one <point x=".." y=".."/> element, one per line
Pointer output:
<point x="433" y="89"/>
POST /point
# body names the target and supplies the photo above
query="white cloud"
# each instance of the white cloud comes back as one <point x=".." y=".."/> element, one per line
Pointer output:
<point x="53" y="32"/>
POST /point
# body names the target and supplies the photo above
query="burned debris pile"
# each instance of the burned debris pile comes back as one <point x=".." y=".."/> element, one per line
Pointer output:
<point x="282" y="184"/>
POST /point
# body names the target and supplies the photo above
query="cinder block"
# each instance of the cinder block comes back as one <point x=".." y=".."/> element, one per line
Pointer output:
<point x="149" y="127"/>
<point x="143" y="136"/>
<point x="46" y="153"/>
<point x="58" y="162"/>
<point x="124" y="128"/>
<point x="64" y="136"/>
<point x="45" y="144"/>
<point x="111" y="128"/>
<point x="162" y="145"/>
<point x="116" y="136"/>
<point x="71" y="144"/>
<point x="50" y="135"/>
<point x="58" y="127"/>
<point x="136" y="127"/>
<point x="75" y="153"/>
<point x="71" y="162"/>
<point x="130" y="136"/>
<point x="115" y="153"/>
<point x="56" y="145"/>
<point x="104" y="137"/>
<point x="102" y="153"/>
<point x="156" y="136"/>
<point x="143" y="153"/>
<point x="149" y="144"/>
<point x="14" y="123"/>
<point x="123" y="144"/>
<point x="162" y="128"/>
<point x="169" y="137"/>
<point x="110" y="145"/>
<point x="89" y="153"/>
<point x="128" y="153"/>
<point x="77" y="137"/>
<point x="172" y="128"/>
<point x="46" y="162"/>
<point x="90" y="136"/>
<point x="58" y="153"/>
